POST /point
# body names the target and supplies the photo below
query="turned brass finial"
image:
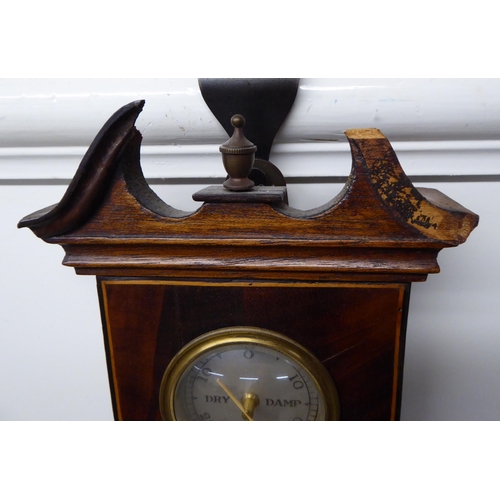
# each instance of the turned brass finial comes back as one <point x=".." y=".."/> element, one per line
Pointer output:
<point x="238" y="155"/>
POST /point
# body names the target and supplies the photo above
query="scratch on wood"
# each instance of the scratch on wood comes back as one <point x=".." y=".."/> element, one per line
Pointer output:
<point x="341" y="352"/>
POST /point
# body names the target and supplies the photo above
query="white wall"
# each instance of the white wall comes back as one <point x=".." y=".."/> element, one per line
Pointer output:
<point x="52" y="363"/>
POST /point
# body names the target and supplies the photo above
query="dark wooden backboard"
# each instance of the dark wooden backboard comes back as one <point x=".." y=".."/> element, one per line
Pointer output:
<point x="356" y="330"/>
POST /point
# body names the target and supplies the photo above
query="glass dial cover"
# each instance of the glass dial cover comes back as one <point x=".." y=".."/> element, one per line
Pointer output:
<point x="246" y="373"/>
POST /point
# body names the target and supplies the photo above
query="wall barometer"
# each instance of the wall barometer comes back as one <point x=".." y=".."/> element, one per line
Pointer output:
<point x="250" y="373"/>
<point x="247" y="309"/>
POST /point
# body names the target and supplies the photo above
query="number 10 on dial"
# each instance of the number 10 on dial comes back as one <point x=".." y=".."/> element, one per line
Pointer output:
<point x="246" y="373"/>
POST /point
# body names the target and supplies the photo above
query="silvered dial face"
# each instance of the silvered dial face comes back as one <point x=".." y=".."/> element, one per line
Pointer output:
<point x="246" y="381"/>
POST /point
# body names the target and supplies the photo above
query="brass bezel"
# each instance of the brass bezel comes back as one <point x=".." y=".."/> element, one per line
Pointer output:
<point x="247" y="335"/>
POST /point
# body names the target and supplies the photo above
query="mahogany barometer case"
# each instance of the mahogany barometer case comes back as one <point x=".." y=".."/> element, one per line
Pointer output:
<point x="249" y="309"/>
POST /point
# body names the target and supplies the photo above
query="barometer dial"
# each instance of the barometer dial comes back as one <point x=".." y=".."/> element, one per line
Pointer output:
<point x="246" y="373"/>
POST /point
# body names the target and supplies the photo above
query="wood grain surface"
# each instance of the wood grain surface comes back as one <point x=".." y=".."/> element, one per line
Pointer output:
<point x="356" y="331"/>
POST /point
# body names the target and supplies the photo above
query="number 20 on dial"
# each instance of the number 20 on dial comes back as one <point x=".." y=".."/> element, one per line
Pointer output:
<point x="246" y="373"/>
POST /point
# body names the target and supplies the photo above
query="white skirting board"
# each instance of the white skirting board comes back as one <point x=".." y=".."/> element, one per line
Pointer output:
<point x="446" y="134"/>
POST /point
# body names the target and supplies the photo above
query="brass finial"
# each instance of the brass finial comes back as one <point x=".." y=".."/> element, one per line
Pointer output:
<point x="238" y="155"/>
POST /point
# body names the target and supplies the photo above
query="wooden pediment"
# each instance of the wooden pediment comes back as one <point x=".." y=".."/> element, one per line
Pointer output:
<point x="379" y="227"/>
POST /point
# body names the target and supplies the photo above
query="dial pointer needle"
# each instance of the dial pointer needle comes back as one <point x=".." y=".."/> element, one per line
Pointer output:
<point x="234" y="399"/>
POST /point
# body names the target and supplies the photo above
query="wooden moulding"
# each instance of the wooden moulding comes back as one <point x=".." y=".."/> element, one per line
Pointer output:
<point x="379" y="228"/>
